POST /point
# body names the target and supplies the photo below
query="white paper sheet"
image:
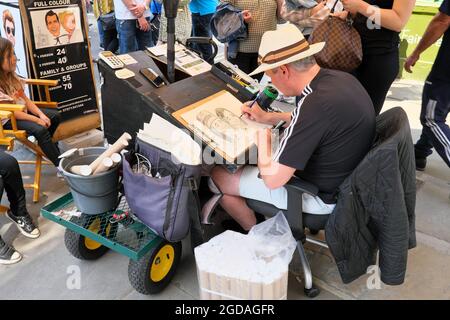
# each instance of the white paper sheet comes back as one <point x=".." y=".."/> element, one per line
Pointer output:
<point x="170" y="138"/>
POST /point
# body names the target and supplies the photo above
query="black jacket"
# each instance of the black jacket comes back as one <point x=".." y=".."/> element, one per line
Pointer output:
<point x="375" y="207"/>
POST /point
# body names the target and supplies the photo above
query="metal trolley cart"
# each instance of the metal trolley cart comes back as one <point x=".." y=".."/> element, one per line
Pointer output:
<point x="153" y="260"/>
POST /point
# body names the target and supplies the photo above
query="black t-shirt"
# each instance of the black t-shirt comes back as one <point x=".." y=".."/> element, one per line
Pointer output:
<point x="441" y="67"/>
<point x="331" y="131"/>
<point x="376" y="39"/>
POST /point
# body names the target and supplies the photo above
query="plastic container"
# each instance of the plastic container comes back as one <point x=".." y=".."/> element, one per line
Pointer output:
<point x="92" y="194"/>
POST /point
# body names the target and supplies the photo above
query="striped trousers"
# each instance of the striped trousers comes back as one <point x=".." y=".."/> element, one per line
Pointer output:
<point x="435" y="132"/>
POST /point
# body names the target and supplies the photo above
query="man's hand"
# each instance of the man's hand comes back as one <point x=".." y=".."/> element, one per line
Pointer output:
<point x="247" y="15"/>
<point x="255" y="113"/>
<point x="138" y="10"/>
<point x="411" y="62"/>
<point x="318" y="7"/>
<point x="352" y="6"/>
<point x="46" y="120"/>
<point x="143" y="24"/>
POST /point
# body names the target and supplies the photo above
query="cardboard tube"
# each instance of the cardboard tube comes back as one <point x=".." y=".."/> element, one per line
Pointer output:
<point x="81" y="170"/>
<point x="233" y="291"/>
<point x="255" y="291"/>
<point x="116" y="158"/>
<point x="106" y="164"/>
<point x="118" y="146"/>
<point x="284" y="285"/>
<point x="213" y="286"/>
<point x="268" y="291"/>
<point x="204" y="284"/>
<point x="277" y="288"/>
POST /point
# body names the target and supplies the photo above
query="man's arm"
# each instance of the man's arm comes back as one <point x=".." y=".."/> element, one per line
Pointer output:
<point x="137" y="9"/>
<point x="274" y="174"/>
<point x="255" y="113"/>
<point x="437" y="27"/>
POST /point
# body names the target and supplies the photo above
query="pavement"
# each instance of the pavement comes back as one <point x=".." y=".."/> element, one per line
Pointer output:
<point x="47" y="268"/>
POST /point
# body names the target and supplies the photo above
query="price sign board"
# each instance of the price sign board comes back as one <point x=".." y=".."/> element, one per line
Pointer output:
<point x="56" y="32"/>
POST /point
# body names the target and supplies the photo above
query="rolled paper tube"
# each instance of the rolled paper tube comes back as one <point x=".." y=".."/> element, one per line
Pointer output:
<point x="255" y="291"/>
<point x="268" y="291"/>
<point x="118" y="146"/>
<point x="106" y="164"/>
<point x="116" y="158"/>
<point x="277" y="288"/>
<point x="81" y="170"/>
<point x="204" y="284"/>
<point x="284" y="285"/>
<point x="213" y="286"/>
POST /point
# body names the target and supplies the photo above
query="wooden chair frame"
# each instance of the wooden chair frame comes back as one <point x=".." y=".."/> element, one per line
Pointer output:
<point x="21" y="135"/>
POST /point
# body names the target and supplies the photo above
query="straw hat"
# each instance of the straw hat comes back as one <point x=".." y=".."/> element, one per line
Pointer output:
<point x="282" y="46"/>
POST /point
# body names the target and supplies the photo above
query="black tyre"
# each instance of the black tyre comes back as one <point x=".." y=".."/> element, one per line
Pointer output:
<point x="313" y="232"/>
<point x="84" y="248"/>
<point x="153" y="272"/>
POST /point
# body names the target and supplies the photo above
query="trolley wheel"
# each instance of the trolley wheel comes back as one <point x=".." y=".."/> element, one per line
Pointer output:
<point x="153" y="272"/>
<point x="85" y="248"/>
<point x="313" y="232"/>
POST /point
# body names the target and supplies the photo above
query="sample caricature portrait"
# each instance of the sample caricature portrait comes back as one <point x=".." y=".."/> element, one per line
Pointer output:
<point x="68" y="22"/>
<point x="9" y="26"/>
<point x="11" y="29"/>
<point x="56" y="27"/>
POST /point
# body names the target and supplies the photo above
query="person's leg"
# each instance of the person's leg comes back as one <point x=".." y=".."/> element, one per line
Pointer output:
<point x="101" y="33"/>
<point x="12" y="181"/>
<point x="423" y="147"/>
<point x="13" y="184"/>
<point x="201" y="28"/>
<point x="43" y="137"/>
<point x="195" y="22"/>
<point x="377" y="73"/>
<point x="110" y="40"/>
<point x="435" y="108"/>
<point x="253" y="62"/>
<point x="127" y="35"/>
<point x="8" y="255"/>
<point x="242" y="62"/>
<point x="144" y="38"/>
<point x="231" y="201"/>
<point x="156" y="22"/>
<point x="247" y="62"/>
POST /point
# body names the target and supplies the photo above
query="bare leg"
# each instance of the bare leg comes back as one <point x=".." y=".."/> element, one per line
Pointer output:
<point x="233" y="204"/>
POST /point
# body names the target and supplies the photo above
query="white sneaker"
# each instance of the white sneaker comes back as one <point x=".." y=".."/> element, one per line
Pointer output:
<point x="8" y="255"/>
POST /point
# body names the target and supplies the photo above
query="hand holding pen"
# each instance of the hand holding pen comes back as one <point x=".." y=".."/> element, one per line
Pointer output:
<point x="251" y="104"/>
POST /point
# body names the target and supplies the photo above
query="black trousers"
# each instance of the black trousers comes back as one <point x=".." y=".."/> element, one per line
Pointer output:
<point x="12" y="183"/>
<point x="377" y="73"/>
<point x="42" y="134"/>
<point x="433" y="116"/>
<point x="247" y="62"/>
<point x="201" y="28"/>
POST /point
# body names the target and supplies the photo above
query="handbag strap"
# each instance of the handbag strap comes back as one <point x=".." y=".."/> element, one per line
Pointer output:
<point x="334" y="6"/>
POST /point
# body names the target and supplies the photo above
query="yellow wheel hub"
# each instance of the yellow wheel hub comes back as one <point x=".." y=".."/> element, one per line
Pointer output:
<point x="162" y="263"/>
<point x="95" y="228"/>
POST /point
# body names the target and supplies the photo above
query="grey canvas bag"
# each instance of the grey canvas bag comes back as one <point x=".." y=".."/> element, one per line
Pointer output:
<point x="163" y="204"/>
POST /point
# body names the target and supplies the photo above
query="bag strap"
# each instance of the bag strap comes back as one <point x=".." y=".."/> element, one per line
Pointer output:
<point x="334" y="6"/>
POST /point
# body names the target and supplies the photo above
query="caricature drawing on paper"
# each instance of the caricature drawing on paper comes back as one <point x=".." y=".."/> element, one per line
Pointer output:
<point x="218" y="119"/>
